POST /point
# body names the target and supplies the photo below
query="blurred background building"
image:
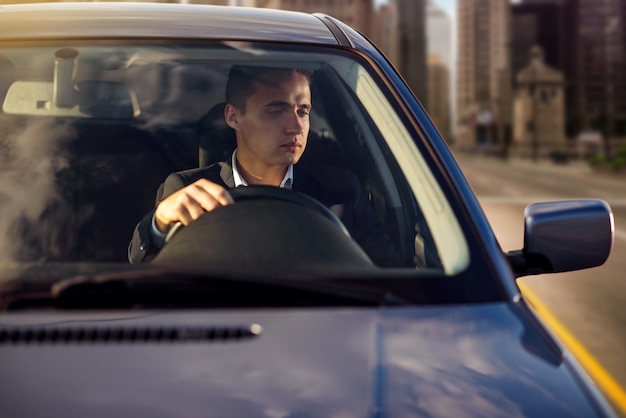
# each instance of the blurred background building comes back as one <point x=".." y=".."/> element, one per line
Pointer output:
<point x="595" y="70"/>
<point x="385" y="31"/>
<point x="439" y="107"/>
<point x="539" y="113"/>
<point x="439" y="68"/>
<point x="411" y="32"/>
<point x="484" y="74"/>
<point x="586" y="41"/>
<point x="537" y="23"/>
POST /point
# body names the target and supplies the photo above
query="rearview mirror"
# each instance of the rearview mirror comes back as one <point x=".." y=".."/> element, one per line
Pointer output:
<point x="87" y="99"/>
<point x="66" y="97"/>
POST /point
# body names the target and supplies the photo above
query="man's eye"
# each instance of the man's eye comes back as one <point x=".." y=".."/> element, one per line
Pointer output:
<point x="275" y="111"/>
<point x="304" y="112"/>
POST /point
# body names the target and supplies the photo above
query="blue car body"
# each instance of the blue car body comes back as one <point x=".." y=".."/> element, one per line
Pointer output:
<point x="491" y="357"/>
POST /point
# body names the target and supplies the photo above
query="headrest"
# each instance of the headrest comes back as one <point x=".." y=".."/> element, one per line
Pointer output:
<point x="217" y="140"/>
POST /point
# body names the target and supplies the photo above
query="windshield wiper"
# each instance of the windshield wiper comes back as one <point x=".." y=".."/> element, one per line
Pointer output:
<point x="170" y="289"/>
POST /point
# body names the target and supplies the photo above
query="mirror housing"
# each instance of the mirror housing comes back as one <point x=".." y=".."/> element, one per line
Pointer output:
<point x="564" y="236"/>
<point x="86" y="99"/>
<point x="65" y="96"/>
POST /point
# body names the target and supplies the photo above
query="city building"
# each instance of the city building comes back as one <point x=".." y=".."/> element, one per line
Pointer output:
<point x="537" y="23"/>
<point x="440" y="65"/>
<point x="586" y="40"/>
<point x="595" y="48"/>
<point x="539" y="111"/>
<point x="439" y="33"/>
<point x="385" y="31"/>
<point x="411" y="19"/>
<point x="439" y="94"/>
<point x="484" y="75"/>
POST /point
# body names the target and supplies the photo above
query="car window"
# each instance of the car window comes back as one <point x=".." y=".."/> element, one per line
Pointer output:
<point x="435" y="209"/>
<point x="90" y="130"/>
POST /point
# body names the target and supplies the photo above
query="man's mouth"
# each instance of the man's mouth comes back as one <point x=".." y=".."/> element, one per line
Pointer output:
<point x="293" y="146"/>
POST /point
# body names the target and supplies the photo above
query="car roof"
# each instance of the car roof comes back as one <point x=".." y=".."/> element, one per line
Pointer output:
<point x="154" y="20"/>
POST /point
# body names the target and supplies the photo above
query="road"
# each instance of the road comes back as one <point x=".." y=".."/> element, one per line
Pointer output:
<point x="590" y="304"/>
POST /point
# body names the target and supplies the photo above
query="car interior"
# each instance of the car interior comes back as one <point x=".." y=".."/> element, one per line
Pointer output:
<point x="98" y="170"/>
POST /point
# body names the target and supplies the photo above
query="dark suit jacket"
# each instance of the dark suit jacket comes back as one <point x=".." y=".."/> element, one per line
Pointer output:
<point x="338" y="189"/>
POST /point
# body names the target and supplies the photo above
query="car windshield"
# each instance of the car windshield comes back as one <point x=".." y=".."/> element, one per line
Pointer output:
<point x="90" y="130"/>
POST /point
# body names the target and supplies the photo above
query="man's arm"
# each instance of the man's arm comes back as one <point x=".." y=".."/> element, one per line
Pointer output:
<point x="143" y="247"/>
<point x="176" y="201"/>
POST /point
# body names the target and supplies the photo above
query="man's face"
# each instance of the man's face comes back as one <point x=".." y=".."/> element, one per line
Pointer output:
<point x="273" y="129"/>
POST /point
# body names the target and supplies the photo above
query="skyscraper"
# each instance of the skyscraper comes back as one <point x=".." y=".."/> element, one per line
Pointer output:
<point x="385" y="32"/>
<point x="483" y="71"/>
<point x="440" y="66"/>
<point x="439" y="32"/>
<point x="587" y="41"/>
<point x="596" y="66"/>
<point x="412" y="45"/>
<point x="439" y="94"/>
<point x="537" y="23"/>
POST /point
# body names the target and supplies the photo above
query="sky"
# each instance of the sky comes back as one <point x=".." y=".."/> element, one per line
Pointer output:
<point x="447" y="5"/>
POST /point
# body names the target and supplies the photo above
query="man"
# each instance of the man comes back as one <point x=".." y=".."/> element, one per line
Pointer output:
<point x="268" y="108"/>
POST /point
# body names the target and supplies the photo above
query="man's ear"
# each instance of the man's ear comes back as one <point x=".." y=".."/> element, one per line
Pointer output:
<point x="231" y="115"/>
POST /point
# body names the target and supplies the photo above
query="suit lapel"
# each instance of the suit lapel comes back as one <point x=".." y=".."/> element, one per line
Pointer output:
<point x="304" y="182"/>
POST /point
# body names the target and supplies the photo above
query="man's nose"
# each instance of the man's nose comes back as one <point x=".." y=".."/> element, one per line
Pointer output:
<point x="296" y="123"/>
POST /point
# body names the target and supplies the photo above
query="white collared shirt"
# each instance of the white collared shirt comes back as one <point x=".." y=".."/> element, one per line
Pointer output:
<point x="287" y="182"/>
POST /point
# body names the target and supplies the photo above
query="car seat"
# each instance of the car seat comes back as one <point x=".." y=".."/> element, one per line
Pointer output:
<point x="217" y="140"/>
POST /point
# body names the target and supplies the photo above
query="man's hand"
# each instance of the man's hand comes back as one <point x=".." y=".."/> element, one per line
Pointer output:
<point x="189" y="203"/>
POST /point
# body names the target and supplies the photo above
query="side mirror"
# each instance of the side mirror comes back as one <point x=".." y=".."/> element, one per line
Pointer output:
<point x="564" y="236"/>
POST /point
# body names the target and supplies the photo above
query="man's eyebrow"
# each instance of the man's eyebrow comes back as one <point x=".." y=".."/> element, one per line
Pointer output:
<point x="281" y="103"/>
<point x="277" y="103"/>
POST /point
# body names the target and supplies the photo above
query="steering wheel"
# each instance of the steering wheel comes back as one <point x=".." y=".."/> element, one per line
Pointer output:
<point x="247" y="193"/>
<point x="269" y="229"/>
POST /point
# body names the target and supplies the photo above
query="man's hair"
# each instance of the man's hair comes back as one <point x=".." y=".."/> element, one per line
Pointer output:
<point x="242" y="81"/>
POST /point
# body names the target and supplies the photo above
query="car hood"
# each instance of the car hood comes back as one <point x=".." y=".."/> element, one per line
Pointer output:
<point x="482" y="360"/>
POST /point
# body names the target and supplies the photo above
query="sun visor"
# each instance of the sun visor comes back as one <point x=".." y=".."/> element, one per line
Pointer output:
<point x="85" y="99"/>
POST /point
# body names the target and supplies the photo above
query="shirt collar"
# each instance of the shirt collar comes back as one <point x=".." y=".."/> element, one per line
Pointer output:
<point x="287" y="182"/>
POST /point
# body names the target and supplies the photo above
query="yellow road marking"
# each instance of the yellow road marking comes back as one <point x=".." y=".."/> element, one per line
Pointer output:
<point x="601" y="377"/>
